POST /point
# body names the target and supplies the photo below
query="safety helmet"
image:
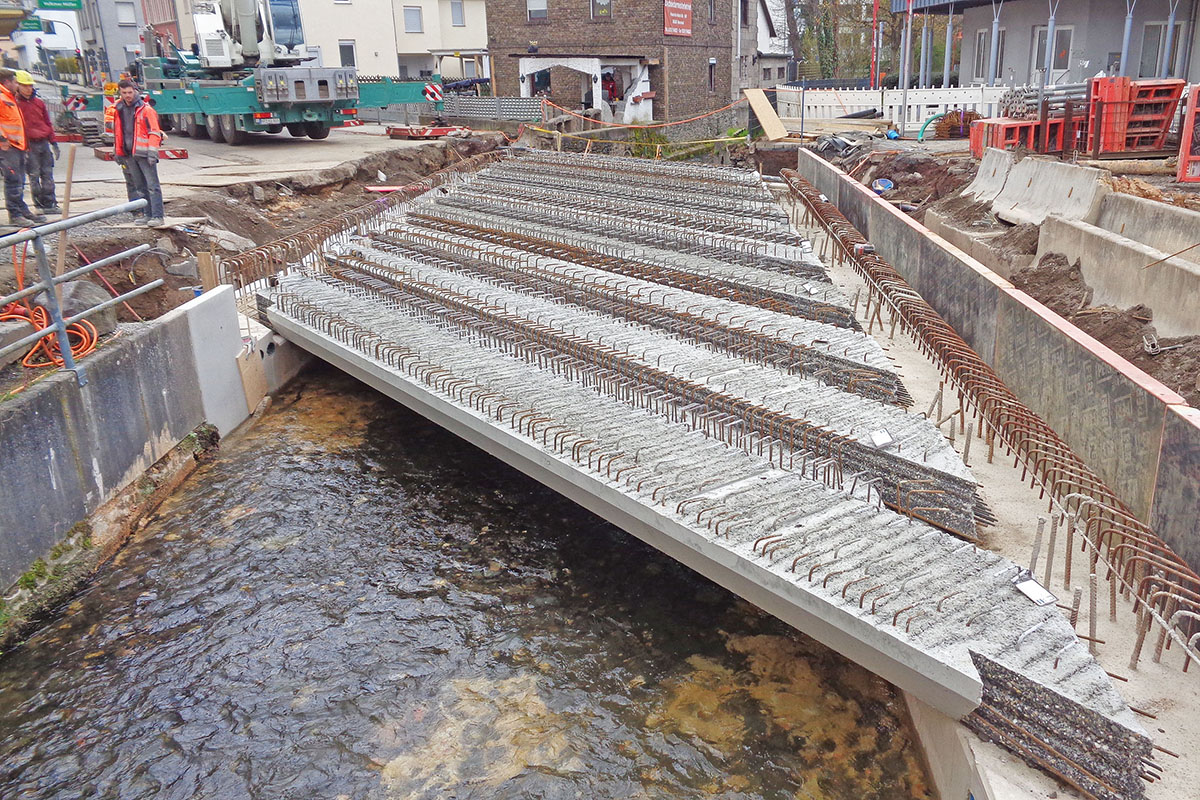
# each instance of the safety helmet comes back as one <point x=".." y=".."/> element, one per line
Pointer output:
<point x="24" y="77"/>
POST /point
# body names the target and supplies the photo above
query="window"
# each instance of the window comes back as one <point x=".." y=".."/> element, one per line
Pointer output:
<point x="601" y="9"/>
<point x="469" y="70"/>
<point x="456" y="14"/>
<point x="767" y="74"/>
<point x="712" y="75"/>
<point x="126" y="14"/>
<point x="536" y="9"/>
<point x="412" y="20"/>
<point x="1154" y="41"/>
<point x="1062" y="53"/>
<point x="983" y="54"/>
<point x="541" y="82"/>
<point x="781" y="72"/>
<point x="745" y="12"/>
<point x="346" y="51"/>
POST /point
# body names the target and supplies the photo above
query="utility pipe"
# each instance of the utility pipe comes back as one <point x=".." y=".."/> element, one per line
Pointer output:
<point x="949" y="48"/>
<point x="1129" y="6"/>
<point x="1166" y="65"/>
<point x="1049" y="61"/>
<point x="907" y="61"/>
<point x="994" y="58"/>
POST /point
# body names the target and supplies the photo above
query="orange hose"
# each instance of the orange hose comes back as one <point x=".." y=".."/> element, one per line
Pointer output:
<point x="46" y="352"/>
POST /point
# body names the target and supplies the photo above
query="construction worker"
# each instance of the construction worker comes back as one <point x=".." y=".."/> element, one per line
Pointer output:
<point x="136" y="139"/>
<point x="12" y="154"/>
<point x="39" y="142"/>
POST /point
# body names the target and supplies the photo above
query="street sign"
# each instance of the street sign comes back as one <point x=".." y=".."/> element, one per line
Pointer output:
<point x="61" y="5"/>
<point x="432" y="92"/>
<point x="30" y="24"/>
<point x="677" y="17"/>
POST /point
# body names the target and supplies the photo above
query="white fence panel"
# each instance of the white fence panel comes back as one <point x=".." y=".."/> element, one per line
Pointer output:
<point x="906" y="112"/>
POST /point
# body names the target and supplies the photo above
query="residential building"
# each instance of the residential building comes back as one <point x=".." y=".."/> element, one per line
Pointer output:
<point x="163" y="17"/>
<point x="1088" y="39"/>
<point x="59" y="37"/>
<point x="614" y="57"/>
<point x="110" y="31"/>
<point x="774" y="52"/>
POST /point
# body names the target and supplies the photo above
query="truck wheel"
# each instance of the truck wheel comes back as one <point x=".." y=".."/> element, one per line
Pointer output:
<point x="316" y="130"/>
<point x="195" y="129"/>
<point x="213" y="125"/>
<point x="274" y="128"/>
<point x="229" y="130"/>
<point x="296" y="129"/>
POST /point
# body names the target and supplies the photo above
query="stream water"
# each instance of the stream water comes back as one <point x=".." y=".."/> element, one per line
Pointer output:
<point x="351" y="603"/>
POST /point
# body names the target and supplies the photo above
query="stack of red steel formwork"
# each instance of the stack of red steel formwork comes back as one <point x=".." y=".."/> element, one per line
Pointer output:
<point x="1131" y="116"/>
<point x="1189" y="140"/>
<point x="1123" y="116"/>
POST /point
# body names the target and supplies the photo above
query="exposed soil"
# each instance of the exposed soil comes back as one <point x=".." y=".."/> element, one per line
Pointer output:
<point x="1019" y="239"/>
<point x="253" y="213"/>
<point x="1127" y="184"/>
<point x="1059" y="286"/>
<point x="919" y="178"/>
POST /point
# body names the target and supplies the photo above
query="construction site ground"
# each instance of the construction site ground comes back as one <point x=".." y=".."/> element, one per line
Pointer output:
<point x="1165" y="697"/>
<point x="932" y="174"/>
<point x="226" y="200"/>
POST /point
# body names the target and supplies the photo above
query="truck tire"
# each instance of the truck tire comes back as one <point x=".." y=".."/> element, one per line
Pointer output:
<point x="316" y="130"/>
<point x="296" y="129"/>
<point x="274" y="128"/>
<point x="195" y="129"/>
<point x="167" y="122"/>
<point x="213" y="125"/>
<point x="229" y="130"/>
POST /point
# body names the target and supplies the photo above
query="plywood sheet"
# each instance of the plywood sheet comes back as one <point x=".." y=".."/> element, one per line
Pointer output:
<point x="772" y="127"/>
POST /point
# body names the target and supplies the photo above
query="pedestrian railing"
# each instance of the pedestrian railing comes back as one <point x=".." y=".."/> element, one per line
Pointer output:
<point x="47" y="282"/>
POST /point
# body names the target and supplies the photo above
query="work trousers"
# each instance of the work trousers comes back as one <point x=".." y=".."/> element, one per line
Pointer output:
<point x="141" y="180"/>
<point x="39" y="166"/>
<point x="12" y="163"/>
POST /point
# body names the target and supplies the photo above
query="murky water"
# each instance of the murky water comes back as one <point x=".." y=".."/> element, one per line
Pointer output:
<point x="351" y="603"/>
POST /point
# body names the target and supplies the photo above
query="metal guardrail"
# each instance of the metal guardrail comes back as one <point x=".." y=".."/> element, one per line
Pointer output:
<point x="48" y="281"/>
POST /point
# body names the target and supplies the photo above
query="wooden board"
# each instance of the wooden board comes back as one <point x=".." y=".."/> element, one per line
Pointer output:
<point x="767" y="117"/>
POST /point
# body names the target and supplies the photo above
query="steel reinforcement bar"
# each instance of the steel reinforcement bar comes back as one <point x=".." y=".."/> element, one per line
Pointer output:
<point x="1164" y="588"/>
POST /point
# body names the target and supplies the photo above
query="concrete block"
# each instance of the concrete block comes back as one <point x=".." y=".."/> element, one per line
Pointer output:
<point x="978" y="245"/>
<point x="1114" y="266"/>
<point x="1177" y="487"/>
<point x="78" y="296"/>
<point x="1160" y="225"/>
<point x="216" y="341"/>
<point x="1037" y="188"/>
<point x="992" y="175"/>
<point x="13" y="330"/>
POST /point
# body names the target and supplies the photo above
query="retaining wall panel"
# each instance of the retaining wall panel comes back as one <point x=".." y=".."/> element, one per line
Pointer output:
<point x="44" y="484"/>
<point x="1109" y="418"/>
<point x="1175" y="515"/>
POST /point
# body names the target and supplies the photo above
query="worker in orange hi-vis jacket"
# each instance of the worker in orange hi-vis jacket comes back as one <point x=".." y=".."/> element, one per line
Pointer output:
<point x="136" y="139"/>
<point x="12" y="154"/>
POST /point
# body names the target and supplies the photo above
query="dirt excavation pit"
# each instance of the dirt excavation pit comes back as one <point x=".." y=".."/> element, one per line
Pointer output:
<point x="1059" y="285"/>
<point x="239" y="218"/>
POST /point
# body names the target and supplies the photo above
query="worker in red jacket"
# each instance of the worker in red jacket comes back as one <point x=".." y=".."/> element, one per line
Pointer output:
<point x="39" y="144"/>
<point x="136" y="139"/>
<point x="12" y="155"/>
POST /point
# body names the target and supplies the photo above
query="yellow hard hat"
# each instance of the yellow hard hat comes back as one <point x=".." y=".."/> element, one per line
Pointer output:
<point x="24" y="77"/>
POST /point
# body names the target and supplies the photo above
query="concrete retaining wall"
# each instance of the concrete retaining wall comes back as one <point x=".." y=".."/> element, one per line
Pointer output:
<point x="69" y="449"/>
<point x="1115" y="267"/>
<point x="1037" y="187"/>
<point x="1159" y="225"/>
<point x="1136" y="433"/>
<point x="993" y="172"/>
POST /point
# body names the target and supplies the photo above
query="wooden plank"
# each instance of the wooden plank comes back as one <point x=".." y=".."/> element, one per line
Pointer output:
<point x="206" y="269"/>
<point x="767" y="117"/>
